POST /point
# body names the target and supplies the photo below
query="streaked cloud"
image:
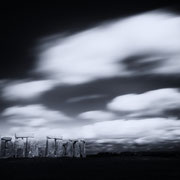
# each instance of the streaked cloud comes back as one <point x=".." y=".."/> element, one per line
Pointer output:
<point x="101" y="52"/>
<point x="34" y="115"/>
<point x="97" y="115"/>
<point x="149" y="130"/>
<point x="118" y="48"/>
<point x="82" y="98"/>
<point x="25" y="89"/>
<point x="145" y="130"/>
<point x="149" y="103"/>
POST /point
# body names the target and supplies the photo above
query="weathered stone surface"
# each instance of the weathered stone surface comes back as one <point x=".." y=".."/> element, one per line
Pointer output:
<point x="0" y="150"/>
<point x="7" y="149"/>
<point x="41" y="152"/>
<point x="82" y="148"/>
<point x="50" y="148"/>
<point x="19" y="147"/>
<point x="76" y="148"/>
<point x="40" y="148"/>
<point x="60" y="151"/>
<point x="55" y="137"/>
<point x="65" y="143"/>
<point x="3" y="145"/>
<point x="31" y="149"/>
<point x="69" y="148"/>
<point x="6" y="138"/>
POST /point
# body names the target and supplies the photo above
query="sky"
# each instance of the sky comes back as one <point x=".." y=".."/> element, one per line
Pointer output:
<point x="104" y="72"/>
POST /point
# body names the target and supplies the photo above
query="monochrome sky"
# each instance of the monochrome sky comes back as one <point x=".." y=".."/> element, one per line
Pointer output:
<point x="104" y="73"/>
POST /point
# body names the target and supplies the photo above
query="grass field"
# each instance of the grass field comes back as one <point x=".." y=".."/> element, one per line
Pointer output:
<point x="91" y="168"/>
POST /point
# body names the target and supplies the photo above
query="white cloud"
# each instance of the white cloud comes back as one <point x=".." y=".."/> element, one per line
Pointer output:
<point x="152" y="129"/>
<point x="94" y="53"/>
<point x="151" y="102"/>
<point x="34" y="115"/>
<point x="144" y="131"/>
<point x="100" y="53"/>
<point x="97" y="115"/>
<point x="26" y="89"/>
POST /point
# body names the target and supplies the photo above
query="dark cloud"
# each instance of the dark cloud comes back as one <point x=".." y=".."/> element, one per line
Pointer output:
<point x="108" y="88"/>
<point x="142" y="63"/>
<point x="58" y="98"/>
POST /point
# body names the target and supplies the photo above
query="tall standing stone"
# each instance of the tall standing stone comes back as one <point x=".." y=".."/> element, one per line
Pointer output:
<point x="65" y="143"/>
<point x="41" y="148"/>
<point x="50" y="147"/>
<point x="22" y="145"/>
<point x="6" y="147"/>
<point x="76" y="148"/>
<point x="31" y="149"/>
<point x="82" y="148"/>
<point x="69" y="149"/>
<point x="60" y="151"/>
<point x="19" y="147"/>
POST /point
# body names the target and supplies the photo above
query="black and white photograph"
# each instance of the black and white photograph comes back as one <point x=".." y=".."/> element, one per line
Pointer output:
<point x="90" y="90"/>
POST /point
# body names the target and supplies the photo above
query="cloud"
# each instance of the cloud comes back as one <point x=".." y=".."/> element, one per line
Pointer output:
<point x="82" y="98"/>
<point x="149" y="103"/>
<point x="152" y="38"/>
<point x="33" y="116"/>
<point x="97" y="115"/>
<point x="149" y="130"/>
<point x="100" y="52"/>
<point x="2" y="82"/>
<point x="146" y="130"/>
<point x="15" y="90"/>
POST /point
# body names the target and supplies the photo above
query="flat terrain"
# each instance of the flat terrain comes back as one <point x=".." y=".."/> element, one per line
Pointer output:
<point x="123" y="168"/>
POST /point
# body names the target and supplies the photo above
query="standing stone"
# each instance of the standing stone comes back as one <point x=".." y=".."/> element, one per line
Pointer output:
<point x="34" y="148"/>
<point x="65" y="143"/>
<point x="82" y="148"/>
<point x="0" y="150"/>
<point x="19" y="147"/>
<point x="50" y="148"/>
<point x="31" y="148"/>
<point x="76" y="148"/>
<point x="6" y="147"/>
<point x="41" y="152"/>
<point x="9" y="149"/>
<point x="3" y="147"/>
<point x="69" y="148"/>
<point x="60" y="151"/>
<point x="41" y="148"/>
<point x="22" y="146"/>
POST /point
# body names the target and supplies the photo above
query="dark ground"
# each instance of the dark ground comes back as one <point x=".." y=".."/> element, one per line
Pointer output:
<point x="123" y="168"/>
